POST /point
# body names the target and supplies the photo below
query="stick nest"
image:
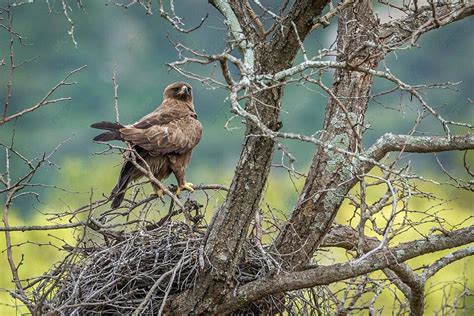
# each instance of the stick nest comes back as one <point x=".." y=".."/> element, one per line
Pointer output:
<point x="135" y="272"/>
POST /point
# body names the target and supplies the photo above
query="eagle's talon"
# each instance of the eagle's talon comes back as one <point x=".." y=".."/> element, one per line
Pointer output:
<point x="188" y="186"/>
<point x="157" y="194"/>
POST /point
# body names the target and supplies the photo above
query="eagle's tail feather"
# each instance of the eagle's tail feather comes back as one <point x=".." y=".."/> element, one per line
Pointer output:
<point x="111" y="126"/>
<point x="108" y="136"/>
<point x="118" y="193"/>
<point x="117" y="200"/>
<point x="112" y="131"/>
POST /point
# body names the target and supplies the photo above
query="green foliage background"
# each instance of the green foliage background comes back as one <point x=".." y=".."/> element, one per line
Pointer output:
<point x="141" y="46"/>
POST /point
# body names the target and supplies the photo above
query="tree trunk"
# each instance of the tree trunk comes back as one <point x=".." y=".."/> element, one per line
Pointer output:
<point x="232" y="220"/>
<point x="330" y="177"/>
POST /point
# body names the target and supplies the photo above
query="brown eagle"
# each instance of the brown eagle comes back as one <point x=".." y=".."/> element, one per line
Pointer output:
<point x="164" y="138"/>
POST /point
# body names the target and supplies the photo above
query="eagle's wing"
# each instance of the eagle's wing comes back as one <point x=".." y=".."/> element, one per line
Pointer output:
<point x="168" y="111"/>
<point x="176" y="136"/>
<point x="161" y="116"/>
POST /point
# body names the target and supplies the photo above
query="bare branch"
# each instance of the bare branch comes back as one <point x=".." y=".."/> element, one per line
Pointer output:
<point x="115" y="85"/>
<point x="398" y="32"/>
<point x="45" y="99"/>
<point x="71" y="22"/>
<point x="174" y="19"/>
<point x="428" y="272"/>
<point x="321" y="275"/>
<point x="419" y="144"/>
<point x="233" y="24"/>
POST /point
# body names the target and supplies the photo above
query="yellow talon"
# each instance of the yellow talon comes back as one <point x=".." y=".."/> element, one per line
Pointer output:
<point x="158" y="193"/>
<point x="187" y="186"/>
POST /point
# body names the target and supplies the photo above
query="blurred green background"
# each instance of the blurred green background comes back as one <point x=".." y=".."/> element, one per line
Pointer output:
<point x="140" y="45"/>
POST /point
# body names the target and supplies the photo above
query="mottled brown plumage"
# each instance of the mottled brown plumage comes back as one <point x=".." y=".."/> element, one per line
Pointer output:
<point x="164" y="138"/>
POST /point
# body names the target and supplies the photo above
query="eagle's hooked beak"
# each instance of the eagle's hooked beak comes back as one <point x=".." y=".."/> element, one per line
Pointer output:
<point x="184" y="90"/>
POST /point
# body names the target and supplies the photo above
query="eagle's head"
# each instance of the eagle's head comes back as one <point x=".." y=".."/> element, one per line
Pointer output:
<point x="179" y="91"/>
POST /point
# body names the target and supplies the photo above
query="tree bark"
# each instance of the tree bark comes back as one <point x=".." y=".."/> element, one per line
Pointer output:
<point x="330" y="176"/>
